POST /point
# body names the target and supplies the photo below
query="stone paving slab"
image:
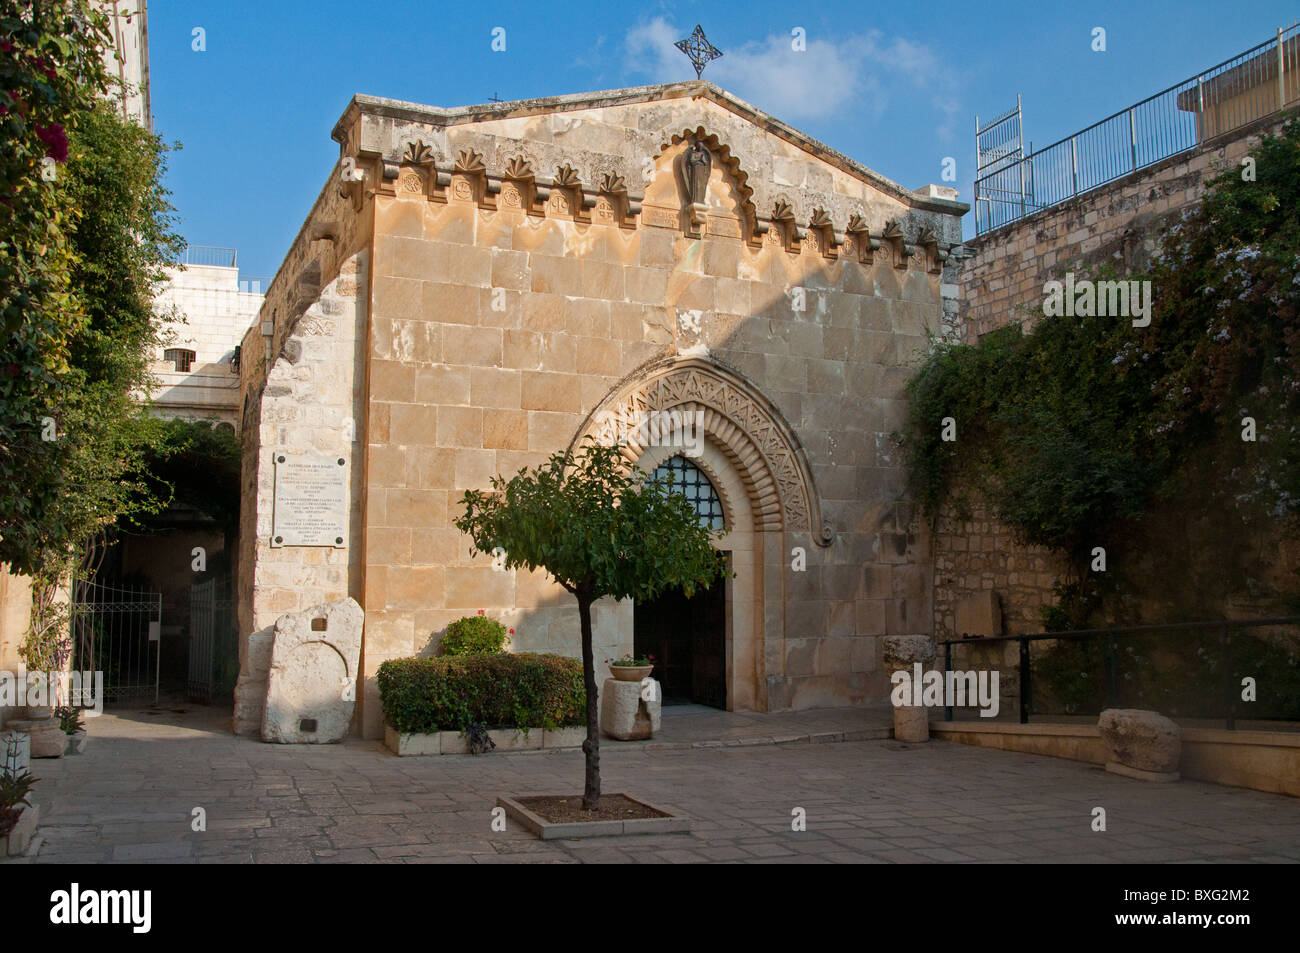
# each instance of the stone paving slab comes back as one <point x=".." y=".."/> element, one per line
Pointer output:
<point x="129" y="799"/>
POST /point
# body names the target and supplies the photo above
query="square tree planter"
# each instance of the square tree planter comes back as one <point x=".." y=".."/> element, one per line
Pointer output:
<point x="670" y="821"/>
<point x="407" y="744"/>
<point x="16" y="841"/>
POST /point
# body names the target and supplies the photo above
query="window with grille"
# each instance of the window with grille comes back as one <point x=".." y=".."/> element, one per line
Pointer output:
<point x="180" y="357"/>
<point x="690" y="481"/>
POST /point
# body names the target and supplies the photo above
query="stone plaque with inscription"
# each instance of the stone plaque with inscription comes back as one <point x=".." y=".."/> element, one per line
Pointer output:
<point x="311" y="500"/>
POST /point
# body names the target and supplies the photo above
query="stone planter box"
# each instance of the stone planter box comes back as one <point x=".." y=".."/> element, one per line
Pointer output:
<point x="47" y="738"/>
<point x="673" y="824"/>
<point x="16" y="841"/>
<point x="76" y="742"/>
<point x="410" y="744"/>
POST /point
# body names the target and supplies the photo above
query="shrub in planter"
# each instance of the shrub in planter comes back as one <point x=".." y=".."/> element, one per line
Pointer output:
<point x="70" y="720"/>
<point x="424" y="695"/>
<point x="475" y="635"/>
<point x="15" y="791"/>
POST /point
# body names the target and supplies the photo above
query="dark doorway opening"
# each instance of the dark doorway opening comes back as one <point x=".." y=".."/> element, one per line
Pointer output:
<point x="688" y="638"/>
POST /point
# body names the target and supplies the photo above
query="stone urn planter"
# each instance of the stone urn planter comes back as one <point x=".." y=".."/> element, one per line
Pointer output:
<point x="76" y="742"/>
<point x="626" y="712"/>
<point x="47" y="737"/>
<point x="631" y="673"/>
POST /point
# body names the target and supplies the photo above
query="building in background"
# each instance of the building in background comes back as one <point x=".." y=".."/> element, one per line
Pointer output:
<point x="129" y="58"/>
<point x="197" y="371"/>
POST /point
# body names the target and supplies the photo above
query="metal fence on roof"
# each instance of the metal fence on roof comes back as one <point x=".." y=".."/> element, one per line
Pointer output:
<point x="208" y="255"/>
<point x="1235" y="93"/>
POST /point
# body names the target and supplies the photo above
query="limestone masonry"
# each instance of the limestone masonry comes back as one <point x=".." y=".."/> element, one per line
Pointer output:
<point x="478" y="288"/>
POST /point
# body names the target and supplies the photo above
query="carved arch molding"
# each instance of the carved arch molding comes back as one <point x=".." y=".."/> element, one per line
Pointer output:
<point x="738" y="420"/>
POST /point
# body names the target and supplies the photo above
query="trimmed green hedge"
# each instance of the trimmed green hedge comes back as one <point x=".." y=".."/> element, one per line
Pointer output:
<point x="475" y="635"/>
<point x="424" y="695"/>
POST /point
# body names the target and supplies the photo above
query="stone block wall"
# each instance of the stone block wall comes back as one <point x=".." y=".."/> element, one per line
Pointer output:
<point x="534" y="268"/>
<point x="974" y="553"/>
<point x="303" y="381"/>
<point x="1001" y="281"/>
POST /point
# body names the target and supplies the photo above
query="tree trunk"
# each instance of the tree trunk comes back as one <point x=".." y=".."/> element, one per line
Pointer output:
<point x="590" y="747"/>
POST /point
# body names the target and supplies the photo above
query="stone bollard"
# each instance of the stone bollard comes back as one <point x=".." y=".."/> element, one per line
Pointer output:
<point x="1141" y="744"/>
<point x="627" y="712"/>
<point x="911" y="722"/>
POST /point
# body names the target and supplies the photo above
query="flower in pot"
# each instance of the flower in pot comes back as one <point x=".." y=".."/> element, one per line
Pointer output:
<point x="631" y="668"/>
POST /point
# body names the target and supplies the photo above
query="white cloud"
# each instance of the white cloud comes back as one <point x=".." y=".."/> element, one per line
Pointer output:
<point x="651" y="52"/>
<point x="858" y="73"/>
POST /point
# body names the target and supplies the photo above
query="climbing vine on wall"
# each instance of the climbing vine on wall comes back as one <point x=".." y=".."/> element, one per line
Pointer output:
<point x="1076" y="430"/>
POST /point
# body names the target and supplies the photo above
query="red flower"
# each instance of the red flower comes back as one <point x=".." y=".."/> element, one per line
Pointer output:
<point x="480" y="611"/>
<point x="512" y="631"/>
<point x="56" y="141"/>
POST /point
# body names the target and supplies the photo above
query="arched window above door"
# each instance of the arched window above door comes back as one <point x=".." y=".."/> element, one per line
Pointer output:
<point x="690" y="481"/>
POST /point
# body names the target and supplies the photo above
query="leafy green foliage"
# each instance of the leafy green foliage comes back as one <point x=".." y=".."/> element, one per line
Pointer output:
<point x="474" y="635"/>
<point x="596" y="525"/>
<point x="15" y="789"/>
<point x="50" y="74"/>
<point x="600" y="529"/>
<point x="1077" y="431"/>
<point x="448" y="694"/>
<point x="80" y="259"/>
<point x="70" y="720"/>
<point x="1180" y="674"/>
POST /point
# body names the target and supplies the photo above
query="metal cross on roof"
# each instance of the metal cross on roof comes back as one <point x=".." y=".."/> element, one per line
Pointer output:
<point x="698" y="48"/>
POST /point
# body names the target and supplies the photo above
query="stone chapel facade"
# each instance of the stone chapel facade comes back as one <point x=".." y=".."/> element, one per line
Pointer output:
<point x="477" y="288"/>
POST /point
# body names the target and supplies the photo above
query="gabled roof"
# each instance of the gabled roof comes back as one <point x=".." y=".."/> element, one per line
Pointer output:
<point x="692" y="89"/>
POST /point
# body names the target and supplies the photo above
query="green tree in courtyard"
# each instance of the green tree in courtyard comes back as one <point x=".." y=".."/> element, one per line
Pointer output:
<point x="599" y="528"/>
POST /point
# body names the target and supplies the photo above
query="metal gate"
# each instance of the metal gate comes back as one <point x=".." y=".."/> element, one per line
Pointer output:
<point x="115" y="630"/>
<point x="211" y="640"/>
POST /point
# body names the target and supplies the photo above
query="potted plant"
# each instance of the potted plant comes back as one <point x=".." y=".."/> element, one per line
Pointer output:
<point x="631" y="668"/>
<point x="17" y="814"/>
<point x="73" y="726"/>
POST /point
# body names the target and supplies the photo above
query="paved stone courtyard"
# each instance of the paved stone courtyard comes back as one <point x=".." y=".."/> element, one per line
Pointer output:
<point x="130" y="798"/>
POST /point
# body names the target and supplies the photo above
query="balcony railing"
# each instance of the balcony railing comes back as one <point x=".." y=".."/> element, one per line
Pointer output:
<point x="209" y="256"/>
<point x="1250" y="86"/>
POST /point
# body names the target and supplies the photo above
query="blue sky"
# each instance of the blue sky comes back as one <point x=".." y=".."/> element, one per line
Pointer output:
<point x="894" y="85"/>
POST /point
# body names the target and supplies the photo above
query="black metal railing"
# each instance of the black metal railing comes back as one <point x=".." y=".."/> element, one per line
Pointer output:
<point x="1199" y="654"/>
<point x="1235" y="93"/>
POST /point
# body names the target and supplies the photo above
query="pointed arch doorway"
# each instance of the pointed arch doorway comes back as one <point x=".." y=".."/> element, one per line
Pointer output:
<point x="688" y="636"/>
<point x="707" y="412"/>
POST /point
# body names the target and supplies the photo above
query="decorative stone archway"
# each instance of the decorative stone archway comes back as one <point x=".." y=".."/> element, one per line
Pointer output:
<point x="755" y="462"/>
<point x="744" y="425"/>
